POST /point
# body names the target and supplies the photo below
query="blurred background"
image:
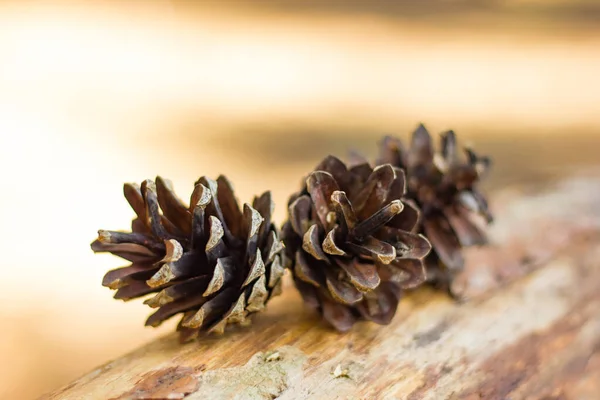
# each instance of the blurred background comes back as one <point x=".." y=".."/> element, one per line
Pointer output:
<point x="94" y="94"/>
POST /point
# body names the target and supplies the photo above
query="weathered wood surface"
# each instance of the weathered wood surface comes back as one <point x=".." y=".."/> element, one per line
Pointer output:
<point x="529" y="329"/>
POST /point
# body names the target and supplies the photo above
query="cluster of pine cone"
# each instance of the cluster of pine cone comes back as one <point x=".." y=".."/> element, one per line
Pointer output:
<point x="356" y="237"/>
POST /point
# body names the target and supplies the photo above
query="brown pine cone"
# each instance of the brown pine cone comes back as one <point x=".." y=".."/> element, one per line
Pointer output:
<point x="210" y="261"/>
<point x="444" y="186"/>
<point x="349" y="243"/>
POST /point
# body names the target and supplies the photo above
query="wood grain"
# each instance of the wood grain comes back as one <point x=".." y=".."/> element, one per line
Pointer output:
<point x="529" y="328"/>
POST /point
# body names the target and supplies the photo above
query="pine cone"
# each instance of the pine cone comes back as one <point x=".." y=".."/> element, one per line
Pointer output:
<point x="210" y="261"/>
<point x="349" y="243"/>
<point x="444" y="187"/>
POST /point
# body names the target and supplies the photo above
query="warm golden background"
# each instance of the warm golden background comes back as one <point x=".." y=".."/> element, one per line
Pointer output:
<point x="93" y="94"/>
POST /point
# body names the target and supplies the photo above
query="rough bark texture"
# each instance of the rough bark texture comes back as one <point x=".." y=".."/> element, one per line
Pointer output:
<point x="529" y="328"/>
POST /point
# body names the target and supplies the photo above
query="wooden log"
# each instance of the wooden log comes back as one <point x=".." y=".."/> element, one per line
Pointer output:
<point x="529" y="328"/>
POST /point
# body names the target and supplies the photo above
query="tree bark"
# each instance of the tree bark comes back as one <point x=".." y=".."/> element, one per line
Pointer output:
<point x="528" y="327"/>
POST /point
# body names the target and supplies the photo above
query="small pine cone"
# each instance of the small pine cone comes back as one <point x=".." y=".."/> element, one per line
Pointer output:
<point x="210" y="261"/>
<point x="444" y="186"/>
<point x="349" y="243"/>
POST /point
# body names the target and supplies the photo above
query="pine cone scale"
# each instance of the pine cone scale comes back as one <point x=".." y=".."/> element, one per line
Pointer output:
<point x="341" y="290"/>
<point x="117" y="278"/>
<point x="408" y="245"/>
<point x="344" y="210"/>
<point x="421" y="149"/>
<point x="214" y="208"/>
<point x="179" y="291"/>
<point x="277" y="271"/>
<point x="408" y="273"/>
<point x="114" y="237"/>
<point x="374" y="249"/>
<point x="338" y="170"/>
<point x="377" y="221"/>
<point x="265" y="206"/>
<point x="392" y="151"/>
<point x="128" y="251"/>
<point x="211" y="311"/>
<point x="321" y="186"/>
<point x="133" y="195"/>
<point x="467" y="232"/>
<point x="362" y="275"/>
<point x="173" y="251"/>
<point x="338" y="315"/>
<point x="311" y="243"/>
<point x="408" y="219"/>
<point x="257" y="269"/>
<point x="375" y="191"/>
<point x="476" y="203"/>
<point x="229" y="206"/>
<point x="299" y="212"/>
<point x="258" y="295"/>
<point x="172" y="308"/>
<point x="444" y="241"/>
<point x="173" y="208"/>
<point x="154" y="218"/>
<point x="329" y="244"/>
<point x="304" y="272"/>
<point x="184" y="267"/>
<point x="251" y="220"/>
<point x="449" y="147"/>
<point x="223" y="273"/>
<point x="380" y="305"/>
